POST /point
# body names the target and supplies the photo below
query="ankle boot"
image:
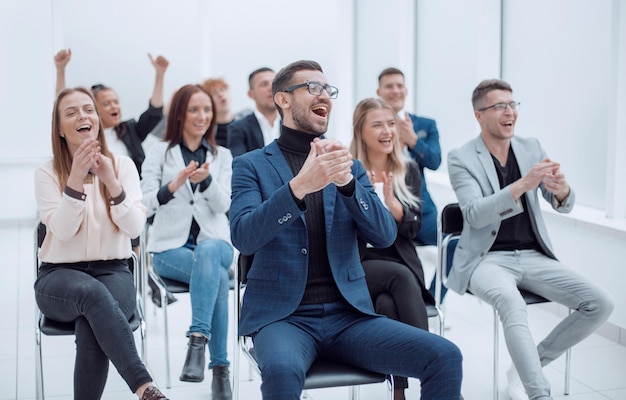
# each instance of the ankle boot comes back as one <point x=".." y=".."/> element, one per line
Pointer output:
<point x="220" y="388"/>
<point x="193" y="370"/>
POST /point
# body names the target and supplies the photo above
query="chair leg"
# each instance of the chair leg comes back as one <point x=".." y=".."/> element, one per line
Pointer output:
<point x="38" y="365"/>
<point x="236" y="367"/>
<point x="168" y="381"/>
<point x="440" y="318"/>
<point x="496" y="355"/>
<point x="354" y="393"/>
<point x="568" y="364"/>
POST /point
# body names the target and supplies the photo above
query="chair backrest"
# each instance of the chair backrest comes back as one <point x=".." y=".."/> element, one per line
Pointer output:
<point x="451" y="219"/>
<point x="449" y="227"/>
<point x="244" y="263"/>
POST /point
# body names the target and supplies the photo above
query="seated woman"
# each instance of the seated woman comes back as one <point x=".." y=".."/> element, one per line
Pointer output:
<point x="394" y="275"/>
<point x="124" y="137"/>
<point x="186" y="187"/>
<point x="90" y="203"/>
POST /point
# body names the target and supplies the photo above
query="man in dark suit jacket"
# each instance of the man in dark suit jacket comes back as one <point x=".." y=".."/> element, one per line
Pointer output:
<point x="298" y="205"/>
<point x="262" y="126"/>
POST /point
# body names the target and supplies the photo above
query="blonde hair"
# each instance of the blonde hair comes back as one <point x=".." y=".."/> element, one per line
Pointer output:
<point x="396" y="161"/>
<point x="61" y="156"/>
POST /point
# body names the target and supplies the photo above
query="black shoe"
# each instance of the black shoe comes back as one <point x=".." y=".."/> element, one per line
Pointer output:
<point x="220" y="388"/>
<point x="156" y="294"/>
<point x="193" y="370"/>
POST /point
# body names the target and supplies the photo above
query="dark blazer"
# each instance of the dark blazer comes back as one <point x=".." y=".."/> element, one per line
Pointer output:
<point x="245" y="135"/>
<point x="267" y="221"/>
<point x="133" y="133"/>
<point x="407" y="229"/>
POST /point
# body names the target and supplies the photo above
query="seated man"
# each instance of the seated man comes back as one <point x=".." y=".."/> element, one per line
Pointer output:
<point x="298" y="205"/>
<point x="505" y="245"/>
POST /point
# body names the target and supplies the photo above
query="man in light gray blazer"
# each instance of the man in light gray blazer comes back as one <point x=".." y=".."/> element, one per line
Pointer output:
<point x="505" y="245"/>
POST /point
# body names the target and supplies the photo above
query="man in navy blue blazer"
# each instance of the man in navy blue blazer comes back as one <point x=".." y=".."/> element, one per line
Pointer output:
<point x="298" y="205"/>
<point x="262" y="126"/>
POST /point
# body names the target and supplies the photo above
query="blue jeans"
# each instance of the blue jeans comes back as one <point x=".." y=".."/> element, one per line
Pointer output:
<point x="205" y="269"/>
<point x="100" y="297"/>
<point x="496" y="279"/>
<point x="287" y="348"/>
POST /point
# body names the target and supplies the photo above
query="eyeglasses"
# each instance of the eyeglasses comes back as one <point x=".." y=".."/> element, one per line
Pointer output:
<point x="315" y="88"/>
<point x="502" y="106"/>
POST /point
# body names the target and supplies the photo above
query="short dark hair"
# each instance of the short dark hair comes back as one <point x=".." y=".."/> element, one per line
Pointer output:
<point x="283" y="78"/>
<point x="389" y="71"/>
<point x="486" y="86"/>
<point x="257" y="71"/>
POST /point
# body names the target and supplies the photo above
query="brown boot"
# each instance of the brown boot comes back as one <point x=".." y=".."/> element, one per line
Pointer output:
<point x="220" y="388"/>
<point x="152" y="393"/>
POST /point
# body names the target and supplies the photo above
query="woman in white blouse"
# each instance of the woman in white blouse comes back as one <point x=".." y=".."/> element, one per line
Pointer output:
<point x="186" y="187"/>
<point x="90" y="203"/>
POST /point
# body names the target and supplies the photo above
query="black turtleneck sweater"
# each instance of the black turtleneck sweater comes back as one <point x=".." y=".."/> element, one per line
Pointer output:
<point x="320" y="286"/>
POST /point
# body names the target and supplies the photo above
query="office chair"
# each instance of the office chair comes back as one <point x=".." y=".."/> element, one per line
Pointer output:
<point x="449" y="228"/>
<point x="50" y="327"/>
<point x="322" y="374"/>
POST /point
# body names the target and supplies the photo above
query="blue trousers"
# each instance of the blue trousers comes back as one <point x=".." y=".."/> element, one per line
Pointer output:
<point x="205" y="268"/>
<point x="287" y="348"/>
<point x="100" y="297"/>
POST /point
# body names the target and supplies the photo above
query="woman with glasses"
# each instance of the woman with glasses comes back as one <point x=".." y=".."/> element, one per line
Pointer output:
<point x="90" y="202"/>
<point x="186" y="186"/>
<point x="394" y="274"/>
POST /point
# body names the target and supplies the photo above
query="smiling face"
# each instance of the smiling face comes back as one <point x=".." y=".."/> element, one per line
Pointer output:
<point x="109" y="107"/>
<point x="391" y="88"/>
<point x="77" y="119"/>
<point x="379" y="131"/>
<point x="303" y="111"/>
<point x="198" y="117"/>
<point x="497" y="125"/>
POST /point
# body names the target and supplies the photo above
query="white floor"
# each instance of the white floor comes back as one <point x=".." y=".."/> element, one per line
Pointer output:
<point x="598" y="367"/>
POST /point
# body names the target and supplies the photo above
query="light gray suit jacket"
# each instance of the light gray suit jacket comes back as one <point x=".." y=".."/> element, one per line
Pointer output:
<point x="485" y="205"/>
<point x="172" y="221"/>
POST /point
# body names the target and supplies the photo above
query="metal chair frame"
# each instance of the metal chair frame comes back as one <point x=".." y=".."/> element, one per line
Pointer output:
<point x="322" y="374"/>
<point x="49" y="327"/>
<point x="449" y="228"/>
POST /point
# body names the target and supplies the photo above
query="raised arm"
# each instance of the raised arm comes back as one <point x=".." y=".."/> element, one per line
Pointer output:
<point x="160" y="64"/>
<point x="61" y="59"/>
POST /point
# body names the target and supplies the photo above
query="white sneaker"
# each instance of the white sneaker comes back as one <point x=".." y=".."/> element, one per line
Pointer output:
<point x="515" y="389"/>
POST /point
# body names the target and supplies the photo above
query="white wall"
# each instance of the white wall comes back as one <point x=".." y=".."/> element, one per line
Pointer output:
<point x="566" y="60"/>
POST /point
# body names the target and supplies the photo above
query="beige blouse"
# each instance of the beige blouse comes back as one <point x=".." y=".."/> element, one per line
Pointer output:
<point x="80" y="229"/>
